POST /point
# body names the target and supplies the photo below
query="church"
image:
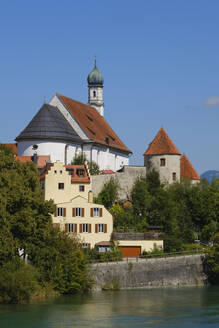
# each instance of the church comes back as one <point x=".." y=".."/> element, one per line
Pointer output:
<point x="64" y="127"/>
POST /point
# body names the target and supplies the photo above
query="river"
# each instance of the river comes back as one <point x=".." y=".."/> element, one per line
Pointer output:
<point x="190" y="307"/>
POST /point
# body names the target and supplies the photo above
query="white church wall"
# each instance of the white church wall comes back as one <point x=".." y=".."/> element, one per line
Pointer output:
<point x="55" y="149"/>
<point x="117" y="160"/>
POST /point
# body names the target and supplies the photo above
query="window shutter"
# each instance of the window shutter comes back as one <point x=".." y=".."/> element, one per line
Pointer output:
<point x="80" y="228"/>
<point x="64" y="212"/>
<point x="96" y="228"/>
<point x="91" y="212"/>
<point x="55" y="214"/>
<point x="66" y="227"/>
<point x="88" y="246"/>
<point x="82" y="212"/>
<point x="75" y="227"/>
<point x="73" y="212"/>
<point x="101" y="212"/>
<point x="89" y="228"/>
<point x="105" y="228"/>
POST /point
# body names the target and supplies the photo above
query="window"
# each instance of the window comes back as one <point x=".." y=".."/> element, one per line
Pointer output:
<point x="80" y="173"/>
<point x="103" y="249"/>
<point x="96" y="211"/>
<point x="71" y="227"/>
<point x="81" y="188"/>
<point x="42" y="185"/>
<point x="174" y="176"/>
<point x="100" y="227"/>
<point x="60" y="171"/>
<point x="94" y="94"/>
<point x="85" y="227"/>
<point x="61" y="185"/>
<point x="162" y="162"/>
<point x="55" y="171"/>
<point x="70" y="171"/>
<point x="85" y="245"/>
<point x="78" y="211"/>
<point x="60" y="211"/>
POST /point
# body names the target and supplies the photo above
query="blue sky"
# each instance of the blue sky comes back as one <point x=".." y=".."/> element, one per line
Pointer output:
<point x="159" y="59"/>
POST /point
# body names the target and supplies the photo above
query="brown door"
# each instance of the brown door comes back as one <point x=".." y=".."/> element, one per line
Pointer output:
<point x="130" y="251"/>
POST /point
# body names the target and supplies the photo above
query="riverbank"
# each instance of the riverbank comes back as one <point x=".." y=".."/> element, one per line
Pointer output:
<point x="142" y="273"/>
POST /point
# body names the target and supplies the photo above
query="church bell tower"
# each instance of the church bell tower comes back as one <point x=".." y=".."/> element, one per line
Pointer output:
<point x="95" y="89"/>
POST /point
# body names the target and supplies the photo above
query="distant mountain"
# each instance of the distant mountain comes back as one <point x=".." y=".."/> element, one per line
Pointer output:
<point x="209" y="175"/>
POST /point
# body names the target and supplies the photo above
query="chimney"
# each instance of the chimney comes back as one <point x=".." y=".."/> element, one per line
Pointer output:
<point x="90" y="197"/>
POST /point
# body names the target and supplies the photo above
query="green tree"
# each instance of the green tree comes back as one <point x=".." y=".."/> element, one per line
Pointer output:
<point x="141" y="202"/>
<point x="212" y="264"/>
<point x="123" y="218"/>
<point x="80" y="158"/>
<point x="109" y="193"/>
<point x="26" y="223"/>
<point x="61" y="262"/>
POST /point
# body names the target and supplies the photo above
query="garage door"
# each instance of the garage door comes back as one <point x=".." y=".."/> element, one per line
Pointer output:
<point x="130" y="251"/>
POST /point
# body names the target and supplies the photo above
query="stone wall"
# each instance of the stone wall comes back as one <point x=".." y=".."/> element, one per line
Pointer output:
<point x="161" y="272"/>
<point x="126" y="178"/>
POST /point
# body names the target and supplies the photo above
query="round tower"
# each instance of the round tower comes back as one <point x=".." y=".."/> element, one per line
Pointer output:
<point x="95" y="89"/>
<point x="163" y="156"/>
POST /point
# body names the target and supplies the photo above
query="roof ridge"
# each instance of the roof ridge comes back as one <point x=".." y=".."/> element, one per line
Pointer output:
<point x="97" y="129"/>
<point x="77" y="101"/>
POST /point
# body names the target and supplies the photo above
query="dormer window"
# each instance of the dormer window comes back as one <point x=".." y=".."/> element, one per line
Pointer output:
<point x="94" y="94"/>
<point x="70" y="171"/>
<point x="80" y="173"/>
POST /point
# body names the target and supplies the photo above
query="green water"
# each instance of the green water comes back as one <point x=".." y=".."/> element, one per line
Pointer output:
<point x="169" y="307"/>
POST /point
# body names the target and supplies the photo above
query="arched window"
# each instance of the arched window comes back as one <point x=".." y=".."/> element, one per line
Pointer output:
<point x="94" y="94"/>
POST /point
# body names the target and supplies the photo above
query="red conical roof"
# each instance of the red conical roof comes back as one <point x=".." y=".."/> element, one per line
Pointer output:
<point x="162" y="145"/>
<point x="187" y="170"/>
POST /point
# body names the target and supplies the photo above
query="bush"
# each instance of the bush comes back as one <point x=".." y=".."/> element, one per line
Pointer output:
<point x="62" y="263"/>
<point x="18" y="282"/>
<point x="212" y="265"/>
<point x="172" y="244"/>
<point x="155" y="252"/>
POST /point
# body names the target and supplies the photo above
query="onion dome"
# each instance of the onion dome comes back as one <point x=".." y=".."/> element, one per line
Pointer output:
<point x="95" y="77"/>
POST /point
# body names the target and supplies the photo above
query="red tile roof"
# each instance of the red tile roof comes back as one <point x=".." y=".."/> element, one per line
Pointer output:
<point x="187" y="170"/>
<point x="94" y="125"/>
<point x="41" y="160"/>
<point x="107" y="172"/>
<point x="75" y="177"/>
<point x="103" y="243"/>
<point x="13" y="147"/>
<point x="162" y="145"/>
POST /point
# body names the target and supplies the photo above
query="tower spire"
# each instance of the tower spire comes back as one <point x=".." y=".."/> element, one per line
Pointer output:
<point x="95" y="89"/>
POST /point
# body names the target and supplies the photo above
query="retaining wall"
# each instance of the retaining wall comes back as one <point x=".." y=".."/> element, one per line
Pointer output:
<point x="161" y="272"/>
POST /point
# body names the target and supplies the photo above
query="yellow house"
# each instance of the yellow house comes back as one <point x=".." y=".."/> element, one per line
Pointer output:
<point x="69" y="186"/>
